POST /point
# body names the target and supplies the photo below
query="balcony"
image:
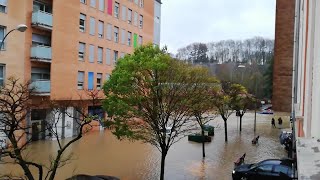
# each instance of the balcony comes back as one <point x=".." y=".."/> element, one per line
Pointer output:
<point x="42" y="20"/>
<point x="41" y="87"/>
<point x="41" y="53"/>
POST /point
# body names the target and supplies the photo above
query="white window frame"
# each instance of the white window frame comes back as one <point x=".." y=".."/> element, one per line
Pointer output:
<point x="80" y="81"/>
<point x="99" y="83"/>
<point x="100" y="55"/>
<point x="100" y="29"/>
<point x="116" y="9"/>
<point x="140" y="21"/>
<point x="82" y="28"/>
<point x="129" y="16"/>
<point x="93" y="3"/>
<point x="4" y="4"/>
<point x="116" y="34"/>
<point x="81" y="55"/>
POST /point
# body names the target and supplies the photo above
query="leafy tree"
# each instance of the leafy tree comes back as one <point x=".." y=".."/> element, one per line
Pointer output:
<point x="268" y="79"/>
<point x="241" y="100"/>
<point x="147" y="98"/>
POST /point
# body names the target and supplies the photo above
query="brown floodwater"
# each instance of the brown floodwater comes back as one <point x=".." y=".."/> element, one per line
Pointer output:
<point x="101" y="153"/>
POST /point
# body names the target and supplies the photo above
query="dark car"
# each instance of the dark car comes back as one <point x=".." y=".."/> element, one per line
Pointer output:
<point x="272" y="169"/>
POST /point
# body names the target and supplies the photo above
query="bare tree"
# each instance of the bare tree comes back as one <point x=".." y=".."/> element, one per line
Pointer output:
<point x="15" y="105"/>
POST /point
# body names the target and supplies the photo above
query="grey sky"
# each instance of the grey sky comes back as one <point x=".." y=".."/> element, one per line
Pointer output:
<point x="187" y="21"/>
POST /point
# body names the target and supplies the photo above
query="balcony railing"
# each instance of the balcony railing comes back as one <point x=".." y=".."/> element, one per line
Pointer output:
<point x="41" y="53"/>
<point x="41" y="86"/>
<point x="42" y="20"/>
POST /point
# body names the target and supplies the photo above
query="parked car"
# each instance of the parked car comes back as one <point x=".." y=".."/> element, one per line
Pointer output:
<point x="266" y="109"/>
<point x="273" y="169"/>
<point x="285" y="134"/>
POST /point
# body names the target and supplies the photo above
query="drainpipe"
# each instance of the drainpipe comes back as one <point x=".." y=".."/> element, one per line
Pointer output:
<point x="295" y="72"/>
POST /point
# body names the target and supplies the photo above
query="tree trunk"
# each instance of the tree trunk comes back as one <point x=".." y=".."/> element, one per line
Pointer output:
<point x="203" y="139"/>
<point x="163" y="159"/>
<point x="241" y="122"/>
<point x="225" y="131"/>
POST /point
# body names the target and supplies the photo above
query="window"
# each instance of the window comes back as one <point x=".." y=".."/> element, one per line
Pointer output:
<point x="38" y="6"/>
<point x="40" y="40"/>
<point x="80" y="79"/>
<point x="116" y="10"/>
<point x="122" y="54"/>
<point x="99" y="80"/>
<point x="141" y="4"/>
<point x="90" y="80"/>
<point x="116" y="34"/>
<point x="40" y="74"/>
<point x="93" y="3"/>
<point x="100" y="55"/>
<point x="281" y="169"/>
<point x="101" y="5"/>
<point x="115" y="56"/>
<point x="129" y="38"/>
<point x="140" y="40"/>
<point x="265" y="168"/>
<point x="123" y="36"/>
<point x="91" y="53"/>
<point x="136" y="2"/>
<point x="3" y="6"/>
<point x="109" y="31"/>
<point x="129" y="16"/>
<point x="100" y="29"/>
<point x="140" y="21"/>
<point x="135" y="19"/>
<point x="83" y="1"/>
<point x="82" y="48"/>
<point x="2" y="34"/>
<point x="108" y="56"/>
<point x="82" y="23"/>
<point x="123" y="13"/>
<point x="92" y="25"/>
<point x="2" y="74"/>
<point x="107" y="76"/>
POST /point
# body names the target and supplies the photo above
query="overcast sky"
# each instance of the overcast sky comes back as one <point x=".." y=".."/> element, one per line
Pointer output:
<point x="187" y="21"/>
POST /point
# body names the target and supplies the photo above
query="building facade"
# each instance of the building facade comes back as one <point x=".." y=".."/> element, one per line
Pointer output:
<point x="283" y="54"/>
<point x="71" y="46"/>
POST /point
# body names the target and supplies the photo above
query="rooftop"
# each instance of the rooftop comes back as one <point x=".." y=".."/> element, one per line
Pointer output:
<point x="308" y="153"/>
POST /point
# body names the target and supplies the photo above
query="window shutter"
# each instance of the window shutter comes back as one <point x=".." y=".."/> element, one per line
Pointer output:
<point x="110" y="7"/>
<point x="90" y="80"/>
<point x="92" y="25"/>
<point x="109" y="31"/>
<point x="91" y="53"/>
<point x="108" y="56"/>
<point x="123" y="36"/>
<point x="123" y="13"/>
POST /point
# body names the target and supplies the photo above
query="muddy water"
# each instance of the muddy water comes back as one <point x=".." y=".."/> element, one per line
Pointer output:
<point x="101" y="153"/>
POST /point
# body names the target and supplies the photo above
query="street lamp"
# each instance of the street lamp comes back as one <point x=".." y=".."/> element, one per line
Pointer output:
<point x="20" y="27"/>
<point x="239" y="66"/>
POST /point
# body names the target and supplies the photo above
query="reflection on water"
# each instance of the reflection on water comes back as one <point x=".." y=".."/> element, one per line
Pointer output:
<point x="101" y="153"/>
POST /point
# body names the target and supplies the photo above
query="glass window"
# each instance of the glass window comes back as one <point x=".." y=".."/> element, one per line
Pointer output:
<point x="80" y="79"/>
<point x="135" y="19"/>
<point x="136" y="2"/>
<point x="3" y="6"/>
<point x="140" y="40"/>
<point x="82" y="23"/>
<point x="82" y="49"/>
<point x="91" y="53"/>
<point x="100" y="55"/>
<point x="99" y="80"/>
<point x="2" y="34"/>
<point x="123" y="13"/>
<point x="107" y="76"/>
<point x="93" y="3"/>
<point x="140" y="21"/>
<point x="115" y="56"/>
<point x="116" y="9"/>
<point x="108" y="56"/>
<point x="83" y="1"/>
<point x="141" y="3"/>
<point x="129" y="16"/>
<point x="264" y="168"/>
<point x="2" y="74"/>
<point x="101" y="5"/>
<point x="109" y="31"/>
<point x="122" y="54"/>
<point x="129" y="38"/>
<point x="100" y="29"/>
<point x="281" y="169"/>
<point x="116" y="34"/>
<point x="40" y="40"/>
<point x="123" y="36"/>
<point x="92" y="25"/>
<point x="39" y="6"/>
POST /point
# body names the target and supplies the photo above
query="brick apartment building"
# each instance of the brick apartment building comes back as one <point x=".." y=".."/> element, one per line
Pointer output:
<point x="71" y="45"/>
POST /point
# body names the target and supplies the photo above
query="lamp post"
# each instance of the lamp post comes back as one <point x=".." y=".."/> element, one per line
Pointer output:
<point x="20" y="27"/>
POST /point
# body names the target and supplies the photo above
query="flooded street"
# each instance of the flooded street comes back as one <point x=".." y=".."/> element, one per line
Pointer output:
<point x="101" y="153"/>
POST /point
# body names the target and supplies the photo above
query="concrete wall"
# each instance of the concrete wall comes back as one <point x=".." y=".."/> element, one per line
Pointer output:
<point x="282" y="72"/>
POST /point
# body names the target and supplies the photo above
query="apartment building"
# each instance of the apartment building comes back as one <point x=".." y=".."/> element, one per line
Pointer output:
<point x="71" y="46"/>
